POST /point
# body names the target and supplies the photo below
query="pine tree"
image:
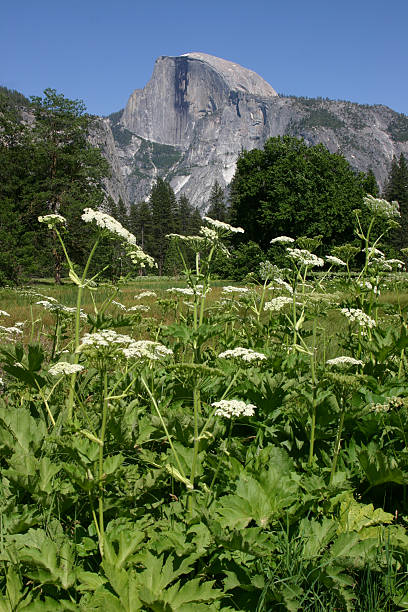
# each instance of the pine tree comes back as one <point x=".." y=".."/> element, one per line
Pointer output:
<point x="397" y="189"/>
<point x="20" y="255"/>
<point x="370" y="184"/>
<point x="67" y="171"/>
<point x="163" y="207"/>
<point x="140" y="224"/>
<point x="217" y="208"/>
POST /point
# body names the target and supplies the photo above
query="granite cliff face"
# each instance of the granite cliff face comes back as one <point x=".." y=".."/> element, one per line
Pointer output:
<point x="198" y="112"/>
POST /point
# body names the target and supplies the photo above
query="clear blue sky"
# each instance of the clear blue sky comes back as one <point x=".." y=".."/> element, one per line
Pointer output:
<point x="100" y="51"/>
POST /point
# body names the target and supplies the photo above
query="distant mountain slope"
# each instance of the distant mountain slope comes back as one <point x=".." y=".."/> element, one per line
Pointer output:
<point x="198" y="112"/>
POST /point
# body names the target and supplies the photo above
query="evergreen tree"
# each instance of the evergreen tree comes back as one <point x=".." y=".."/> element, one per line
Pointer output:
<point x="184" y="212"/>
<point x="140" y="224"/>
<point x="163" y="207"/>
<point x="67" y="170"/>
<point x="370" y="184"/>
<point x="217" y="208"/>
<point x="121" y="214"/>
<point x="19" y="255"/>
<point x="397" y="189"/>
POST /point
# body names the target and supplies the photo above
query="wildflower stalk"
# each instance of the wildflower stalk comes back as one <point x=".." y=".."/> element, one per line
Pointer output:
<point x="337" y="442"/>
<point x="45" y="403"/>
<point x="81" y="286"/>
<point x="166" y="431"/>
<point x="197" y="410"/>
<point x="104" y="407"/>
<point x="313" y="376"/>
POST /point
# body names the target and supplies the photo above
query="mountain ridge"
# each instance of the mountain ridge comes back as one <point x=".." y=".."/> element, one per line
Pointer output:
<point x="206" y="110"/>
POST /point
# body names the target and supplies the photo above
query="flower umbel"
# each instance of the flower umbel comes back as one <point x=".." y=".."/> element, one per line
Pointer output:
<point x="344" y="361"/>
<point x="105" y="221"/>
<point x="223" y="227"/>
<point x="52" y="220"/>
<point x="65" y="368"/>
<point x="355" y="315"/>
<point x="240" y="352"/>
<point x="233" y="408"/>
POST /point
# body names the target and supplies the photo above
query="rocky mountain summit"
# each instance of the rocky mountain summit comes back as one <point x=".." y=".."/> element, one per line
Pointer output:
<point x="197" y="112"/>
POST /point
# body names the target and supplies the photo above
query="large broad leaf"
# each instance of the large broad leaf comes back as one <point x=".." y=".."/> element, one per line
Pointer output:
<point x="120" y="547"/>
<point x="380" y="468"/>
<point x="16" y="597"/>
<point x="19" y="431"/>
<point x="263" y="498"/>
<point x="355" y="516"/>
<point x="316" y="536"/>
<point x="48" y="562"/>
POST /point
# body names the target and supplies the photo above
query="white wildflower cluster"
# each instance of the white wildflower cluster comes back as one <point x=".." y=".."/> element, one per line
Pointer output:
<point x="344" y="361"/>
<point x="109" y="344"/>
<point x="394" y="403"/>
<point x="181" y="290"/>
<point x="305" y="257"/>
<point x="355" y="315"/>
<point x="209" y="234"/>
<point x="54" y="306"/>
<point x="232" y="289"/>
<point x="65" y="368"/>
<point x="223" y="227"/>
<point x="104" y="341"/>
<point x="146" y="349"/>
<point x="278" y="303"/>
<point x="380" y="263"/>
<point x="189" y="240"/>
<point x="1" y="382"/>
<point x="10" y="333"/>
<point x="233" y="408"/>
<point x="282" y="283"/>
<point x="382" y="208"/>
<point x="373" y="252"/>
<point x="268" y="270"/>
<point x="243" y="354"/>
<point x="145" y="294"/>
<point x="105" y="221"/>
<point x="139" y="308"/>
<point x="335" y="261"/>
<point x="282" y="239"/>
<point x="33" y="295"/>
<point x="397" y="263"/>
<point x="139" y="258"/>
<point x="52" y="220"/>
<point x="3" y="313"/>
<point x="366" y="285"/>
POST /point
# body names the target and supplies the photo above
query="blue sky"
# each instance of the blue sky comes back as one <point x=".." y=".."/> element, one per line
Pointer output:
<point x="100" y="51"/>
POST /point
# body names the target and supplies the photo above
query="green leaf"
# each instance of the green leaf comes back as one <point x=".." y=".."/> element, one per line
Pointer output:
<point x="380" y="468"/>
<point x="128" y="543"/>
<point x="355" y="516"/>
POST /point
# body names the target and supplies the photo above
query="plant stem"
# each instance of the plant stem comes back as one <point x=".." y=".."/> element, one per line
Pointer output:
<point x="164" y="426"/>
<point x="77" y="326"/>
<point x="337" y="443"/>
<point x="197" y="407"/>
<point x="104" y="406"/>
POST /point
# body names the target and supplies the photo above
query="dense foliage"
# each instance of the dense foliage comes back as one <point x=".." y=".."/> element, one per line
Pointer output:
<point x="204" y="449"/>
<point x="46" y="165"/>
<point x="290" y="188"/>
<point x="397" y="189"/>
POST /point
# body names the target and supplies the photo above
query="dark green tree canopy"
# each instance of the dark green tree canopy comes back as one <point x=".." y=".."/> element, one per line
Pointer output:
<point x="397" y="189"/>
<point x="217" y="208"/>
<point x="292" y="189"/>
<point x="47" y="165"/>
